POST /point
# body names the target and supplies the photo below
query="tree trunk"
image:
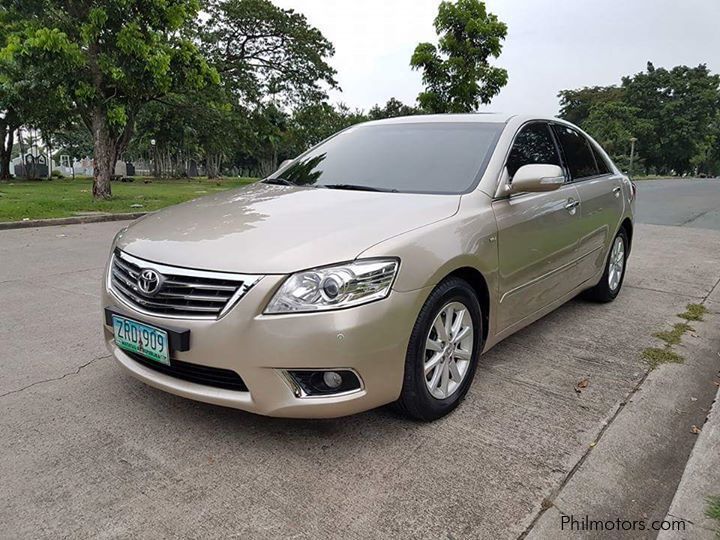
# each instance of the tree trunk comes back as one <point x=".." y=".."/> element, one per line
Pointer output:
<point x="212" y="166"/>
<point x="7" y="132"/>
<point x="104" y="155"/>
<point x="5" y="155"/>
<point x="49" y="161"/>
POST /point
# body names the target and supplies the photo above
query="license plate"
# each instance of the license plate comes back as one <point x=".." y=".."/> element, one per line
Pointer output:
<point x="142" y="339"/>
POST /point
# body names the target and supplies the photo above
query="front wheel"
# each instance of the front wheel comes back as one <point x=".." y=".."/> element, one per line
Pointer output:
<point x="443" y="352"/>
<point x="612" y="280"/>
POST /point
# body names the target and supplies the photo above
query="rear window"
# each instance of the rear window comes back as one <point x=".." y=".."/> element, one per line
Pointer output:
<point x="578" y="155"/>
<point x="603" y="167"/>
<point x="413" y="158"/>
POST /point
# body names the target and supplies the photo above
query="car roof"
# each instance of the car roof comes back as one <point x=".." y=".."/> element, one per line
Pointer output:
<point x="480" y="117"/>
<point x="489" y="117"/>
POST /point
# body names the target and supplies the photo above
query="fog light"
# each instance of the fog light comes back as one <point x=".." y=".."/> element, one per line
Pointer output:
<point x="311" y="383"/>
<point x="332" y="379"/>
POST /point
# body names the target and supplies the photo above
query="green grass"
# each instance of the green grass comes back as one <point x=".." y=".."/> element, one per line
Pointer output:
<point x="672" y="337"/>
<point x="65" y="198"/>
<point x="713" y="510"/>
<point x="639" y="178"/>
<point x="656" y="357"/>
<point x="694" y="312"/>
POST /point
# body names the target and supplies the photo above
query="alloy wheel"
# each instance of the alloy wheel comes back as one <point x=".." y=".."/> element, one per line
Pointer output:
<point x="617" y="263"/>
<point x="448" y="350"/>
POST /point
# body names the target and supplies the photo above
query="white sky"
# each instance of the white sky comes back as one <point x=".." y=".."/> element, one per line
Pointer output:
<point x="551" y="44"/>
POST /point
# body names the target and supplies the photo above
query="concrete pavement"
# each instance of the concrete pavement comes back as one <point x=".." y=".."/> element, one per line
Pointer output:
<point x="90" y="452"/>
<point x="636" y="464"/>
<point x="701" y="478"/>
<point x="702" y="473"/>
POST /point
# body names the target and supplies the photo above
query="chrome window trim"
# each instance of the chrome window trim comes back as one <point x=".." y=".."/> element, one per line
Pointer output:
<point x="248" y="282"/>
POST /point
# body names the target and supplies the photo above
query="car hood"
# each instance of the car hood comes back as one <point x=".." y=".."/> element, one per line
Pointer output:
<point x="268" y="229"/>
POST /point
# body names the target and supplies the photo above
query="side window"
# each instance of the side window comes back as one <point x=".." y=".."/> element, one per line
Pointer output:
<point x="603" y="167"/>
<point x="533" y="145"/>
<point x="578" y="154"/>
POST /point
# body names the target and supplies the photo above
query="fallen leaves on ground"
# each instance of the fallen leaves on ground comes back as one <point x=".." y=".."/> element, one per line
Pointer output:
<point x="694" y="429"/>
<point x="581" y="385"/>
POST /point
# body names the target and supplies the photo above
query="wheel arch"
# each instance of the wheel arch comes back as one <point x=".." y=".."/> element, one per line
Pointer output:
<point x="480" y="285"/>
<point x="627" y="224"/>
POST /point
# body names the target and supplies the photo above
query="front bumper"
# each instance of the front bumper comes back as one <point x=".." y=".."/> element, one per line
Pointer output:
<point x="371" y="339"/>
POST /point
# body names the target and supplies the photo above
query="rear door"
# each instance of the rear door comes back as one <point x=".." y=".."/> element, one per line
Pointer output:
<point x="537" y="234"/>
<point x="601" y="201"/>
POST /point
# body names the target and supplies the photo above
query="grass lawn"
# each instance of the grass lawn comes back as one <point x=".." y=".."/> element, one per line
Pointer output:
<point x="713" y="511"/>
<point x="55" y="198"/>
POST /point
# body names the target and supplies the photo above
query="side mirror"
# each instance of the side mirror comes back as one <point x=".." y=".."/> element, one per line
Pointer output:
<point x="537" y="178"/>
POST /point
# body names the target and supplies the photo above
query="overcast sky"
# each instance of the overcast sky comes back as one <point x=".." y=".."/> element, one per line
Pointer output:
<point x="551" y="44"/>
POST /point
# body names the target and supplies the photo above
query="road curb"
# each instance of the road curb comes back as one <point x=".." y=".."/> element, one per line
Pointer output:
<point x="6" y="225"/>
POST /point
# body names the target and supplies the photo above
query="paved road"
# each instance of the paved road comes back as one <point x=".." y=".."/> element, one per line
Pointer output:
<point x="685" y="203"/>
<point x="88" y="451"/>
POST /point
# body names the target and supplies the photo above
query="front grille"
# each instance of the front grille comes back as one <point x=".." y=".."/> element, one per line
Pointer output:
<point x="183" y="293"/>
<point x="207" y="376"/>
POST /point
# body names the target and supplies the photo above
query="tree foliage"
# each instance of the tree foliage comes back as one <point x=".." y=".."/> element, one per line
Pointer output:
<point x="264" y="51"/>
<point x="106" y="60"/>
<point x="457" y="73"/>
<point x="674" y="115"/>
<point x="203" y="89"/>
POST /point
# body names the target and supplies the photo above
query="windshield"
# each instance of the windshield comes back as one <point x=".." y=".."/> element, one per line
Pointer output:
<point x="412" y="158"/>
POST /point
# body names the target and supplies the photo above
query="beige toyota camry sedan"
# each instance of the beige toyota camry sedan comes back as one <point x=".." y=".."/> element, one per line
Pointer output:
<point x="375" y="268"/>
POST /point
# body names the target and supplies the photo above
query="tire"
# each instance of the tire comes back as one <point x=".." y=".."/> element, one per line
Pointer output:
<point x="417" y="400"/>
<point x="603" y="291"/>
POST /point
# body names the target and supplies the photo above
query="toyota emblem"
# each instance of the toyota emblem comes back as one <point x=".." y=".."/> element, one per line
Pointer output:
<point x="149" y="282"/>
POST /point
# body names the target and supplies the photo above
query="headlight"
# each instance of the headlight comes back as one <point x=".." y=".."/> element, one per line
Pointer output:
<point x="118" y="236"/>
<point x="335" y="287"/>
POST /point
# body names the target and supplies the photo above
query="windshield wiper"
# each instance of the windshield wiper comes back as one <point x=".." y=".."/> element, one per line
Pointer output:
<point x="353" y="187"/>
<point x="278" y="182"/>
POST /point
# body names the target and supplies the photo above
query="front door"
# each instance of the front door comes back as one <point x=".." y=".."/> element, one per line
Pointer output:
<point x="537" y="234"/>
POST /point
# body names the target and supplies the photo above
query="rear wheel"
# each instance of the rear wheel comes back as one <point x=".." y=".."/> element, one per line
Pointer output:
<point x="612" y="280"/>
<point x="443" y="352"/>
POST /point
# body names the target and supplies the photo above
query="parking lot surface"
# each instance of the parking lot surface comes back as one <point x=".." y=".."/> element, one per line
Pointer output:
<point x="87" y="451"/>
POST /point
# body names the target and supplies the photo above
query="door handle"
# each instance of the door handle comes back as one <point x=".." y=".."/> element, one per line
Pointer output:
<point x="572" y="204"/>
<point x="617" y="191"/>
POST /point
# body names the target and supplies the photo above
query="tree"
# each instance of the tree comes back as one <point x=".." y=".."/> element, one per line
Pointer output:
<point x="106" y="60"/>
<point x="674" y="114"/>
<point x="9" y="123"/>
<point x="26" y="97"/>
<point x="457" y="74"/>
<point x="392" y="109"/>
<point x="314" y="123"/>
<point x="614" y="123"/>
<point x="73" y="141"/>
<point x="682" y="104"/>
<point x="262" y="51"/>
<point x="575" y="105"/>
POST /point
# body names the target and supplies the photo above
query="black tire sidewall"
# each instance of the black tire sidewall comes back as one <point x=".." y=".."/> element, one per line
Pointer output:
<point x="602" y="292"/>
<point x="421" y="403"/>
<point x="612" y="294"/>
